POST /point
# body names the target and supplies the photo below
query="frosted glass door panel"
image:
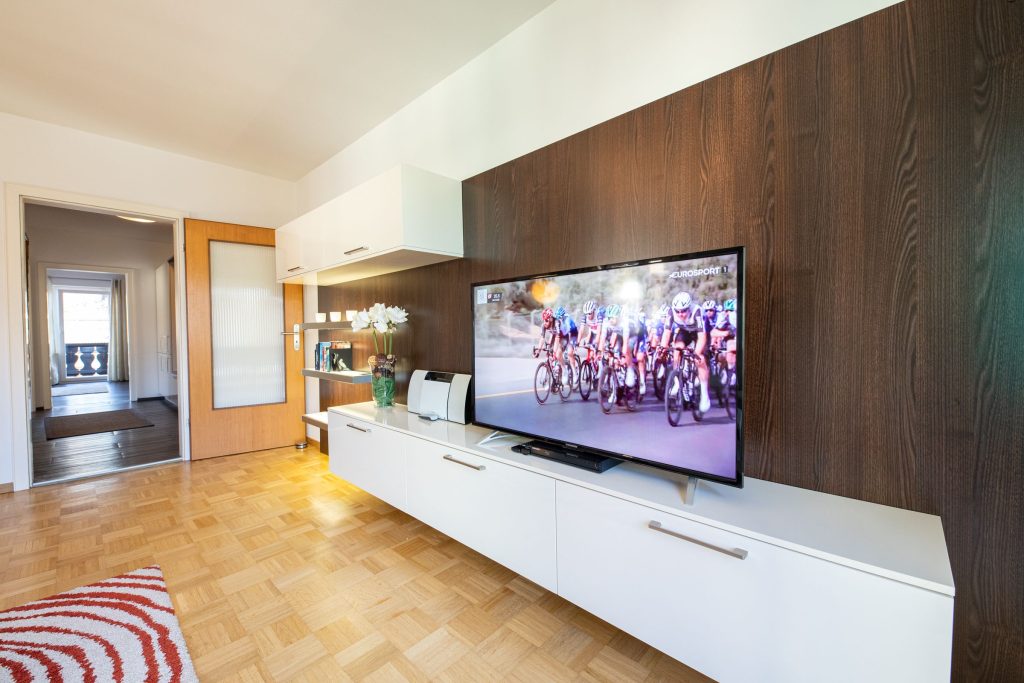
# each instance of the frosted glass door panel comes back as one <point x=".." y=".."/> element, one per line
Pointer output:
<point x="247" y="312"/>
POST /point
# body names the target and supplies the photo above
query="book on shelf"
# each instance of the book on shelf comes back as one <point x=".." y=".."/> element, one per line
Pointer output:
<point x="333" y="356"/>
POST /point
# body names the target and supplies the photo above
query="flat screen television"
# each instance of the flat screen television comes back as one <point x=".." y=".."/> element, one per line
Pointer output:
<point x="638" y="361"/>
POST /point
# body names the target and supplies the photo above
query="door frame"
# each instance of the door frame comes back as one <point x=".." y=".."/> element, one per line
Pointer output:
<point x="43" y="393"/>
<point x="18" y="330"/>
<point x="236" y="423"/>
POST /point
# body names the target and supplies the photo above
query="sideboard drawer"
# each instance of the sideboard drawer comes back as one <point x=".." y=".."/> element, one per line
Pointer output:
<point x="500" y="511"/>
<point x="739" y="609"/>
<point x="369" y="456"/>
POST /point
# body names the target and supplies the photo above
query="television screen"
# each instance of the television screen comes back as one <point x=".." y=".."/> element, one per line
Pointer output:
<point x="640" y="361"/>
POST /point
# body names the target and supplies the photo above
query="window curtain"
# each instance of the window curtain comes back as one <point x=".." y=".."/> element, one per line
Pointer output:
<point x="117" y="353"/>
<point x="54" y="323"/>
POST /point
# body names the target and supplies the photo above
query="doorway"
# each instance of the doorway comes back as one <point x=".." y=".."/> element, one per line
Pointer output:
<point x="77" y="366"/>
<point x="80" y="331"/>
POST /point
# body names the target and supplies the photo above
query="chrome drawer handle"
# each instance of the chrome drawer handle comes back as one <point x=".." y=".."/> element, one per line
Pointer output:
<point x="478" y="468"/>
<point x="357" y="427"/>
<point x="738" y="553"/>
<point x="355" y="251"/>
<point x="292" y="270"/>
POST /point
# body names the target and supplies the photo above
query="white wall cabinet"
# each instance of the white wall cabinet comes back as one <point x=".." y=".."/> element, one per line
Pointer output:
<point x="404" y="218"/>
<point x="766" y="583"/>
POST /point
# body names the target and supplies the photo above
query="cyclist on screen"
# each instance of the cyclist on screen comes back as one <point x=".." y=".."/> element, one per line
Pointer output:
<point x="590" y="326"/>
<point x="657" y="328"/>
<point x="724" y="328"/>
<point x="686" y="329"/>
<point x="710" y="310"/>
<point x="567" y="334"/>
<point x="611" y="331"/>
<point x="548" y="332"/>
<point x="723" y="337"/>
<point x="636" y="358"/>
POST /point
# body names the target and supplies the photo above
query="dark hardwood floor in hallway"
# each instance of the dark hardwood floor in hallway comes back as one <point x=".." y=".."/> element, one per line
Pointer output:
<point x="91" y="454"/>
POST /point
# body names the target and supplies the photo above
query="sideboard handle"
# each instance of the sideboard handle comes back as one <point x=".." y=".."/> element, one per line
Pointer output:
<point x="357" y="427"/>
<point x="738" y="553"/>
<point x="294" y="268"/>
<point x="355" y="251"/>
<point x="478" y="468"/>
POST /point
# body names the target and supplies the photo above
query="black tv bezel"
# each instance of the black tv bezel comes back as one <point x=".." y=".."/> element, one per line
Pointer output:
<point x="740" y="253"/>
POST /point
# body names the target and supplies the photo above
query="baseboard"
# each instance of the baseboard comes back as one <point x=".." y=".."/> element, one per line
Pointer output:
<point x="6" y="488"/>
<point x="149" y="398"/>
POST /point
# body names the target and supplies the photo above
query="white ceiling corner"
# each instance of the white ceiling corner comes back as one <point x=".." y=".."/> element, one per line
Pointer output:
<point x="273" y="87"/>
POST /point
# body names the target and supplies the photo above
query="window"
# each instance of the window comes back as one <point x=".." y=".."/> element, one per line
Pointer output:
<point x="85" y="317"/>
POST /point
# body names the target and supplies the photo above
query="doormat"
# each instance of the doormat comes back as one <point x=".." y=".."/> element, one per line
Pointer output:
<point x="76" y="389"/>
<point x="93" y="423"/>
<point x="121" y="629"/>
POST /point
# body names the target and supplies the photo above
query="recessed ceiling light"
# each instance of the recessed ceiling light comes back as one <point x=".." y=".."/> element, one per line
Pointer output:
<point x="137" y="219"/>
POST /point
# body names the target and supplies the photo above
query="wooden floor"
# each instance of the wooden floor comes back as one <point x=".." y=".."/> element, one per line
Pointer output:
<point x="90" y="454"/>
<point x="281" y="571"/>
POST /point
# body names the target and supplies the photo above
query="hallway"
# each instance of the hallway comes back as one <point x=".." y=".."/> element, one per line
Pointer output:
<point x="91" y="454"/>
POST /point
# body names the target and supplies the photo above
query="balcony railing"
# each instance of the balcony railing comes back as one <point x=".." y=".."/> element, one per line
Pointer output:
<point x="85" y="360"/>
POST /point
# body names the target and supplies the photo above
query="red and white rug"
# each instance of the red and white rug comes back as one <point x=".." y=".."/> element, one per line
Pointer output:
<point x="122" y="629"/>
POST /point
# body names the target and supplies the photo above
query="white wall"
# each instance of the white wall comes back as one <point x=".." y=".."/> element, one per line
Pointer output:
<point x="49" y="156"/>
<point x="572" y="66"/>
<point x="53" y="243"/>
<point x="43" y="155"/>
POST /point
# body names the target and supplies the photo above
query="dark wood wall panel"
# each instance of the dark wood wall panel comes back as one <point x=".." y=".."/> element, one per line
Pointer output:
<point x="876" y="175"/>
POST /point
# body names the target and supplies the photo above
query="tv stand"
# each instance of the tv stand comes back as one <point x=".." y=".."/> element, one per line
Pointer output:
<point x="494" y="436"/>
<point x="864" y="590"/>
<point x="581" y="459"/>
<point x="689" y="486"/>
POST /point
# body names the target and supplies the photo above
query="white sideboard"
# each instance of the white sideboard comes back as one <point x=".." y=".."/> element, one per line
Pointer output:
<point x="404" y="218"/>
<point x="764" y="583"/>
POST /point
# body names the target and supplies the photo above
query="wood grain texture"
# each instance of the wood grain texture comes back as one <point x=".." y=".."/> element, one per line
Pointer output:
<point x="876" y="175"/>
<point x="223" y="431"/>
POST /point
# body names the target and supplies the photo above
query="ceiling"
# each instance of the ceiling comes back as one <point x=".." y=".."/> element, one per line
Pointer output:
<point x="272" y="87"/>
<point x="41" y="220"/>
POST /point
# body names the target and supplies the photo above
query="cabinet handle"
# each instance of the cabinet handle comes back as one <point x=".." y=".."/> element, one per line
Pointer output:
<point x="357" y="427"/>
<point x="738" y="553"/>
<point x="355" y="251"/>
<point x="478" y="468"/>
<point x="293" y="269"/>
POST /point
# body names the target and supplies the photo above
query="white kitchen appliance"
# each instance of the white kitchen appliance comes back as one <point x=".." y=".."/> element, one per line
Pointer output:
<point x="439" y="395"/>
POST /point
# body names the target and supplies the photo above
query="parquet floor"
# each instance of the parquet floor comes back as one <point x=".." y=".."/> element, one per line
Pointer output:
<point x="279" y="571"/>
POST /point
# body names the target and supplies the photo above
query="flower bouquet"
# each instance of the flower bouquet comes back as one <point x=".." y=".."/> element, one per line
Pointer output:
<point x="382" y="321"/>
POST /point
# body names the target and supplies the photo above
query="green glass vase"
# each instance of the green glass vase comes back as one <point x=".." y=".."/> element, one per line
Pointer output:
<point x="382" y="369"/>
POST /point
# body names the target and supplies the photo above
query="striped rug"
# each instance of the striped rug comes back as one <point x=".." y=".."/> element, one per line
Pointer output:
<point x="122" y="629"/>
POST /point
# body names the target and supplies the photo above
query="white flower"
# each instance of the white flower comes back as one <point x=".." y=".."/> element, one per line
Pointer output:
<point x="380" y="325"/>
<point x="396" y="316"/>
<point x="378" y="313"/>
<point x="361" y="321"/>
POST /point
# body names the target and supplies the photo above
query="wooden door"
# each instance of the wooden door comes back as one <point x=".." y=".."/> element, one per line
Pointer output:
<point x="232" y="300"/>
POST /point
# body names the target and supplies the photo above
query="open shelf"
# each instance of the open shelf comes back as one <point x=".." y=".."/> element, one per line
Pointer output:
<point x="349" y="377"/>
<point x="318" y="420"/>
<point x="340" y="325"/>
